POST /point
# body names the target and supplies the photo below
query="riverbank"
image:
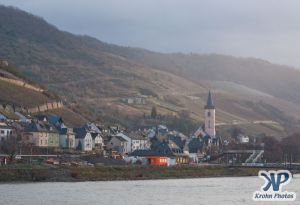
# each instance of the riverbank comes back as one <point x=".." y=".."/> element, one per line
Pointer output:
<point x="106" y="173"/>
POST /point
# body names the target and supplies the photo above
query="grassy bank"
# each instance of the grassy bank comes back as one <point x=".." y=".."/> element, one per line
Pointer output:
<point x="48" y="174"/>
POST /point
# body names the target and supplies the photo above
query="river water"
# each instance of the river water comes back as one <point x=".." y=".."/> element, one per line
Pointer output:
<point x="219" y="191"/>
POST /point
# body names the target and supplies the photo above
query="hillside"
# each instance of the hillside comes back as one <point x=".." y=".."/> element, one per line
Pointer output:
<point x="17" y="94"/>
<point x="95" y="78"/>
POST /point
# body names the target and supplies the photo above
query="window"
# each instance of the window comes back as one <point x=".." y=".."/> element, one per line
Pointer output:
<point x="208" y="114"/>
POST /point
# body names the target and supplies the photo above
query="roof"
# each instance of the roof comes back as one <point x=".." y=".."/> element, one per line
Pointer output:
<point x="120" y="138"/>
<point x="194" y="145"/>
<point x="137" y="136"/>
<point x="21" y="117"/>
<point x="40" y="117"/>
<point x="2" y="117"/>
<point x="209" y="103"/>
<point x="162" y="147"/>
<point x="65" y="130"/>
<point x="148" y="153"/>
<point x="5" y="127"/>
<point x="54" y="119"/>
<point x="94" y="135"/>
<point x="177" y="140"/>
<point x="80" y="132"/>
<point x="120" y="134"/>
<point x="39" y="127"/>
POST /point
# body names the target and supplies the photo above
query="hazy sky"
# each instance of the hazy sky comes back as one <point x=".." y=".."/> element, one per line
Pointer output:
<point x="268" y="29"/>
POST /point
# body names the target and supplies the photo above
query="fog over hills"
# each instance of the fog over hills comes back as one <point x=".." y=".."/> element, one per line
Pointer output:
<point x="93" y="77"/>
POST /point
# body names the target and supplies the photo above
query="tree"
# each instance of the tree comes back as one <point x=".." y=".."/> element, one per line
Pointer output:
<point x="79" y="147"/>
<point x="9" y="146"/>
<point x="153" y="112"/>
<point x="236" y="131"/>
<point x="290" y="146"/>
<point x="273" y="150"/>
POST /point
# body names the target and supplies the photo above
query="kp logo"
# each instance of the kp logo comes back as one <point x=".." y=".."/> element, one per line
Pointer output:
<point x="272" y="189"/>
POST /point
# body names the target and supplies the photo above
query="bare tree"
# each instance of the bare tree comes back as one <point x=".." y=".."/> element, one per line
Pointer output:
<point x="9" y="146"/>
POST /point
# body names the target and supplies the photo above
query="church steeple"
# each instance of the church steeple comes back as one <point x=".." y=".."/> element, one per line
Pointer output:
<point x="209" y="103"/>
<point x="210" y="117"/>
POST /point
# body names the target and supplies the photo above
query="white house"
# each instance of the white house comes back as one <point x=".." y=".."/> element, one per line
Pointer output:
<point x="151" y="133"/>
<point x="139" y="141"/>
<point x="98" y="143"/>
<point x="83" y="141"/>
<point x="243" y="139"/>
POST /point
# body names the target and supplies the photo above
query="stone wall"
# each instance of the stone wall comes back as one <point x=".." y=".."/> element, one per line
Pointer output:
<point x="22" y="84"/>
<point x="46" y="107"/>
<point x="40" y="108"/>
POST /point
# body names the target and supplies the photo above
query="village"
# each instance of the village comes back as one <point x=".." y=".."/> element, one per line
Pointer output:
<point x="46" y="139"/>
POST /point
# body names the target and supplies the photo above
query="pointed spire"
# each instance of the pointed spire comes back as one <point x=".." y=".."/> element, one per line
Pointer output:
<point x="209" y="104"/>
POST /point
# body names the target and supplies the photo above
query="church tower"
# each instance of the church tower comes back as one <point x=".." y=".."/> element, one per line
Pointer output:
<point x="210" y="117"/>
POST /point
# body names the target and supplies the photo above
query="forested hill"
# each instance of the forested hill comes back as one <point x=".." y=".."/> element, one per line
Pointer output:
<point x="94" y="77"/>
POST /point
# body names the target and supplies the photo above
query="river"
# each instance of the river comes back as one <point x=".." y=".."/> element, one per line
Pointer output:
<point x="219" y="191"/>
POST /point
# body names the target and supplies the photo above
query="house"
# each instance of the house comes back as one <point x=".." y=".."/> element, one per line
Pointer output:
<point x="138" y="141"/>
<point x="98" y="143"/>
<point x="243" y="139"/>
<point x="40" y="134"/>
<point x="136" y="100"/>
<point x="128" y="100"/>
<point x="22" y="118"/>
<point x="157" y="160"/>
<point x="28" y="138"/>
<point x="195" y="145"/>
<point x="176" y="142"/>
<point x="3" y="63"/>
<point x="5" y="131"/>
<point x="128" y="140"/>
<point x="41" y="117"/>
<point x="53" y="137"/>
<point x="151" y="133"/>
<point x="2" y="118"/>
<point x="119" y="144"/>
<point x="66" y="138"/>
<point x="153" y="157"/>
<point x="162" y="147"/>
<point x="194" y="149"/>
<point x="56" y="121"/>
<point x="36" y="133"/>
<point x="182" y="158"/>
<point x="83" y="140"/>
<point x="162" y="130"/>
<point x="92" y="128"/>
<point x="140" y="101"/>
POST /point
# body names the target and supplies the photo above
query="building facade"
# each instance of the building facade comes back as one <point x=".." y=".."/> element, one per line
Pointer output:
<point x="67" y="138"/>
<point x="5" y="132"/>
<point x="84" y="141"/>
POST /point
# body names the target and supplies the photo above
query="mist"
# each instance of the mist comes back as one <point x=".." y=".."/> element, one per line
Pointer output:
<point x="266" y="29"/>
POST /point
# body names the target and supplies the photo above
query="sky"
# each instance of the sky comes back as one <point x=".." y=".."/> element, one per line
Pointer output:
<point x="267" y="29"/>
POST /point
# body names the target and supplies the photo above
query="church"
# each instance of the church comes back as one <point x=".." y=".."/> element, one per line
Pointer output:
<point x="207" y="132"/>
<point x="210" y="117"/>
